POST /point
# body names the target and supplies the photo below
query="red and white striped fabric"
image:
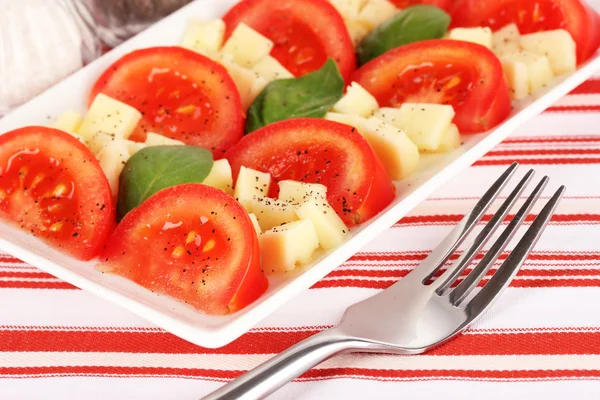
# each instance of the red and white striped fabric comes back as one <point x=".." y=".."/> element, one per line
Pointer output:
<point x="541" y="339"/>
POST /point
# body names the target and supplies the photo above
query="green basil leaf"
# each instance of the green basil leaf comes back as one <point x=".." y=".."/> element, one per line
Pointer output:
<point x="413" y="24"/>
<point x="154" y="168"/>
<point x="311" y="95"/>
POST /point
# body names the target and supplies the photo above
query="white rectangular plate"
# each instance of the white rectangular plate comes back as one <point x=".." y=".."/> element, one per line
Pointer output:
<point x="176" y="317"/>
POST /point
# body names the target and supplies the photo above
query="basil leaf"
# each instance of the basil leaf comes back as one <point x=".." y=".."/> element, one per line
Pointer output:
<point x="154" y="168"/>
<point x="311" y="95"/>
<point x="413" y="24"/>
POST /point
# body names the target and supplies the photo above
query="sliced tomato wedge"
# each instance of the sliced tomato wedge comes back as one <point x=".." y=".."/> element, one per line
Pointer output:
<point x="319" y="151"/>
<point x="192" y="242"/>
<point x="52" y="186"/>
<point x="533" y="16"/>
<point x="305" y="32"/>
<point x="465" y="75"/>
<point x="181" y="94"/>
<point x="443" y="4"/>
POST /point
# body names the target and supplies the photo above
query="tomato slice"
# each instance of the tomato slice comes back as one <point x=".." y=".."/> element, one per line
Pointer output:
<point x="465" y="75"/>
<point x="181" y="94"/>
<point x="534" y="16"/>
<point x="319" y="151"/>
<point x="305" y="32"/>
<point x="52" y="186"/>
<point x="192" y="242"/>
<point x="443" y="4"/>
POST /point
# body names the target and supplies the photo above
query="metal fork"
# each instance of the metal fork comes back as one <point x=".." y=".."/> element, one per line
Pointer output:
<point x="416" y="314"/>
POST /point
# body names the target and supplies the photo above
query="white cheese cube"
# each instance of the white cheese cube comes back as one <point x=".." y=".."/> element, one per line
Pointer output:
<point x="247" y="46"/>
<point x="251" y="184"/>
<point x="357" y="30"/>
<point x="517" y="78"/>
<point x="270" y="69"/>
<point x="205" y="37"/>
<point x="376" y="12"/>
<point x="98" y="141"/>
<point x="331" y="230"/>
<point x="112" y="159"/>
<point x="479" y="35"/>
<point x="298" y="192"/>
<point x="255" y="224"/>
<point x="245" y="81"/>
<point x="69" y="121"/>
<point x="356" y="101"/>
<point x="284" y="247"/>
<point x="154" y="139"/>
<point x="348" y="9"/>
<point x="451" y="140"/>
<point x="539" y="71"/>
<point x="134" y="147"/>
<point x="220" y="176"/>
<point x="506" y="40"/>
<point x="271" y="213"/>
<point x="109" y="116"/>
<point x="425" y="124"/>
<point x="557" y="45"/>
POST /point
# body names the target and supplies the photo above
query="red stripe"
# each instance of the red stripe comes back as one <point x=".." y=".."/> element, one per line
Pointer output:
<point x="573" y="108"/>
<point x="399" y="273"/>
<point x="9" y="258"/>
<point x="271" y="342"/>
<point x="538" y="161"/>
<point x="521" y="283"/>
<point x="454" y="218"/>
<point x="36" y="285"/>
<point x="418" y="256"/>
<point x="19" y="274"/>
<point x="591" y="86"/>
<point x="540" y="152"/>
<point x="551" y="139"/>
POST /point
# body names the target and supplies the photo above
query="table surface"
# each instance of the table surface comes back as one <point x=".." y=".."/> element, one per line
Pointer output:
<point x="541" y="338"/>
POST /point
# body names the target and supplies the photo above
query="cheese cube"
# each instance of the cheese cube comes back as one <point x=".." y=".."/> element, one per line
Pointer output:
<point x="357" y="30"/>
<point x="112" y="159"/>
<point x="270" y="69"/>
<point x="284" y="247"/>
<point x="375" y="12"/>
<point x="154" y="139"/>
<point x="298" y="192"/>
<point x="506" y="40"/>
<point x="205" y="37"/>
<point x="271" y="213"/>
<point x="69" y="121"/>
<point x="479" y="35"/>
<point x="517" y="78"/>
<point x="247" y="46"/>
<point x="348" y="9"/>
<point x="557" y="45"/>
<point x="245" y="82"/>
<point x="134" y="147"/>
<point x="98" y="141"/>
<point x="109" y="116"/>
<point x="356" y="101"/>
<point x="425" y="124"/>
<point x="331" y="230"/>
<point x="451" y="140"/>
<point x="251" y="184"/>
<point x="539" y="71"/>
<point x="220" y="176"/>
<point x="255" y="224"/>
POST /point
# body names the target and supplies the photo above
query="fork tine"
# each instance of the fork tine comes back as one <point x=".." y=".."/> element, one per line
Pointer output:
<point x="446" y="248"/>
<point x="470" y="282"/>
<point x="509" y="268"/>
<point x="453" y="272"/>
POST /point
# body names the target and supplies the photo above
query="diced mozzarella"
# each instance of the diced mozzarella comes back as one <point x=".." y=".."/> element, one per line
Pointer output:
<point x="247" y="46"/>
<point x="348" y="9"/>
<point x="271" y="213"/>
<point x="255" y="224"/>
<point x="357" y="30"/>
<point x="109" y="116"/>
<point x="479" y="35"/>
<point x="205" y="37"/>
<point x="112" y="159"/>
<point x="451" y="140"/>
<point x="251" y="184"/>
<point x="356" y="101"/>
<point x="98" y="141"/>
<point x="298" y="192"/>
<point x="134" y="147"/>
<point x="220" y="176"/>
<point x="557" y="45"/>
<point x="154" y="139"/>
<point x="506" y="39"/>
<point x="517" y="78"/>
<point x="284" y="247"/>
<point x="539" y="71"/>
<point x="245" y="81"/>
<point x="331" y="230"/>
<point x="425" y="124"/>
<point x="375" y="12"/>
<point x="270" y="69"/>
<point x="69" y="121"/>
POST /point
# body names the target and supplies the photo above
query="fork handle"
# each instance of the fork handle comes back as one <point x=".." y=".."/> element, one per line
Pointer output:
<point x="284" y="367"/>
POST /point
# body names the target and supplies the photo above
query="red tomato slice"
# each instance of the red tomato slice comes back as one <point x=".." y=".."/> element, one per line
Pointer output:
<point x="192" y="242"/>
<point x="52" y="186"/>
<point x="533" y="16"/>
<point x="465" y="75"/>
<point x="305" y="32"/>
<point x="319" y="151"/>
<point x="181" y="94"/>
<point x="443" y="4"/>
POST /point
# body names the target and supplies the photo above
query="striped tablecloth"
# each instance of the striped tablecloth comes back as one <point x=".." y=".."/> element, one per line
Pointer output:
<point x="540" y="340"/>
